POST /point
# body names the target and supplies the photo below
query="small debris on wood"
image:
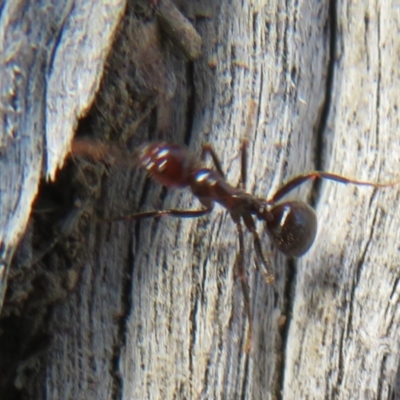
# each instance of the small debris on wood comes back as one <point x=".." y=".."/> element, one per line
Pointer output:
<point x="179" y="29"/>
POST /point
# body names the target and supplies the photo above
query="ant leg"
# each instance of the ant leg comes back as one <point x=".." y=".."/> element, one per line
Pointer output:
<point x="243" y="282"/>
<point x="160" y="213"/>
<point x="99" y="151"/>
<point x="299" y="180"/>
<point x="263" y="263"/>
<point x="266" y="267"/>
<point x="207" y="149"/>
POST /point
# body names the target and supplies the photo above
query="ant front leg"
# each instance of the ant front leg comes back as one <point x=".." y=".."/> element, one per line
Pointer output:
<point x="299" y="180"/>
<point x="161" y="213"/>
<point x="207" y="149"/>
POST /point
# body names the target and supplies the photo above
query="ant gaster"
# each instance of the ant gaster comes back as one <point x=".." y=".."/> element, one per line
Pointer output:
<point x="291" y="225"/>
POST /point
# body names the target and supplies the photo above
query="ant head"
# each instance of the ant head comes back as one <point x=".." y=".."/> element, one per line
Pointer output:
<point x="168" y="164"/>
<point x="292" y="227"/>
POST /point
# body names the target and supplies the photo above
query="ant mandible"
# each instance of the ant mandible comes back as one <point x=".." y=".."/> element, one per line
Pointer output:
<point x="291" y="225"/>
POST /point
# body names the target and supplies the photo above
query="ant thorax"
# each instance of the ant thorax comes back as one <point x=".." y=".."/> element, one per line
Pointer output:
<point x="209" y="186"/>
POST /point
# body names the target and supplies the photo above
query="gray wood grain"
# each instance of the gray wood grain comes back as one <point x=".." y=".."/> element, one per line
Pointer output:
<point x="157" y="312"/>
<point x="345" y="325"/>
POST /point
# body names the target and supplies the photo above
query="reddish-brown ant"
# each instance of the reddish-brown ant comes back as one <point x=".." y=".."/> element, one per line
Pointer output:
<point x="291" y="225"/>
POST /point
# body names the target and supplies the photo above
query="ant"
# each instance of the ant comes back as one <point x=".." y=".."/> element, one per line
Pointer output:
<point x="291" y="225"/>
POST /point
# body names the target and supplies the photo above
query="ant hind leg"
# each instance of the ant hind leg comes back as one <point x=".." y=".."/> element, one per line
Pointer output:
<point x="310" y="176"/>
<point x="263" y="263"/>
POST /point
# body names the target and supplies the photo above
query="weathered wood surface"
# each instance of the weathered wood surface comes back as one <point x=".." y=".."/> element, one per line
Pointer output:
<point x="157" y="312"/>
<point x="51" y="61"/>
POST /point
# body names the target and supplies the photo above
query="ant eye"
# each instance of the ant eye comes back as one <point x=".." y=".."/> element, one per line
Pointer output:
<point x="293" y="227"/>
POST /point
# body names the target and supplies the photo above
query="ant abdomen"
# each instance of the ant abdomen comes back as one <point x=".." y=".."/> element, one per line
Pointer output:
<point x="292" y="228"/>
<point x="169" y="164"/>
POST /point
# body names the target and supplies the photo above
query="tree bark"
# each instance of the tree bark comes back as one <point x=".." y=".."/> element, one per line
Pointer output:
<point x="51" y="61"/>
<point x="157" y="311"/>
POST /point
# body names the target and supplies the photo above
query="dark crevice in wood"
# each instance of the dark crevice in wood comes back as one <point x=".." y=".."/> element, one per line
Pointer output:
<point x="2" y="4"/>
<point x="153" y="132"/>
<point x="57" y="38"/>
<point x="49" y="255"/>
<point x="287" y="310"/>
<point x="191" y="103"/>
<point x="254" y="30"/>
<point x="381" y="379"/>
<point x="233" y="74"/>
<point x="168" y="273"/>
<point x="393" y="294"/>
<point x="302" y="344"/>
<point x="285" y="54"/>
<point x="331" y="32"/>
<point x="127" y="308"/>
<point x="246" y="377"/>
<point x="142" y="198"/>
<point x="329" y="396"/>
<point x="162" y="196"/>
<point x="341" y="367"/>
<point x="206" y="379"/>
<point x="194" y="301"/>
<point x="394" y="390"/>
<point x="354" y="284"/>
<point x="260" y="94"/>
<point x="286" y="84"/>
<point x="378" y="84"/>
